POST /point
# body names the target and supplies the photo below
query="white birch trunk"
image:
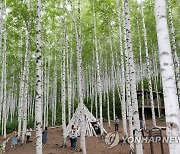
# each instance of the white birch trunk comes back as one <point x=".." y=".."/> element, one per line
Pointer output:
<point x="112" y="79"/>
<point x="157" y="96"/>
<point x="128" y="89"/>
<point x="1" y="54"/>
<point x="148" y="68"/>
<point x="63" y="91"/>
<point x="1" y="23"/>
<point x="123" y="100"/>
<point x="168" y="76"/>
<point x="38" y="80"/>
<point x="69" y="78"/>
<point x="141" y="77"/>
<point x="80" y="80"/>
<point x="93" y="88"/>
<point x="87" y="85"/>
<point x="42" y="83"/>
<point x="174" y="52"/>
<point x="33" y="105"/>
<point x="55" y="92"/>
<point x="47" y="93"/>
<point x="132" y="76"/>
<point x="73" y="92"/>
<point x="107" y="94"/>
<point x="21" y="94"/>
<point x="99" y="84"/>
<point x="63" y="78"/>
<point x="26" y="88"/>
<point x="156" y="82"/>
<point x="5" y="92"/>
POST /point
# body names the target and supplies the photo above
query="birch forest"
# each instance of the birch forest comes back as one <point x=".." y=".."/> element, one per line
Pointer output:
<point x="86" y="62"/>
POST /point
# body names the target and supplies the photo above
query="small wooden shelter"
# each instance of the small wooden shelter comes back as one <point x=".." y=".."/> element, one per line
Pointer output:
<point x="157" y="96"/>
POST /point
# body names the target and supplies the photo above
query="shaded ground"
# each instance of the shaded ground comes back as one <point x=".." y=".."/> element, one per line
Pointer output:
<point x="95" y="145"/>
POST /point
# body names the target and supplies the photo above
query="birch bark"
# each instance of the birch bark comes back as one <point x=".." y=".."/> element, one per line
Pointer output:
<point x="1" y="54"/>
<point x="5" y="88"/>
<point x="141" y="76"/>
<point x="26" y="88"/>
<point x="174" y="51"/>
<point x="132" y="76"/>
<point x="38" y="80"/>
<point x="128" y="87"/>
<point x="168" y="76"/>
<point x="63" y="77"/>
<point x="148" y="67"/>
<point x="47" y="92"/>
<point x="112" y="79"/>
<point x="21" y="95"/>
<point x="63" y="93"/>
<point x="98" y="74"/>
<point x="80" y="80"/>
<point x="107" y="94"/>
<point x="123" y="100"/>
<point x="1" y="23"/>
<point x="55" y="92"/>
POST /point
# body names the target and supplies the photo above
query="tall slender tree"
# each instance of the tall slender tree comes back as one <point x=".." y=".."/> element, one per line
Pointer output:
<point x="107" y="94"/>
<point x="168" y="76"/>
<point x="63" y="77"/>
<point x="148" y="66"/>
<point x="38" y="80"/>
<point x="132" y="75"/>
<point x="99" y="84"/>
<point x="1" y="23"/>
<point x="80" y="82"/>
<point x="79" y="74"/>
<point x="4" y="121"/>
<point x="123" y="100"/>
<point x="141" y="76"/>
<point x="174" y="50"/>
<point x="2" y="60"/>
<point x="26" y="87"/>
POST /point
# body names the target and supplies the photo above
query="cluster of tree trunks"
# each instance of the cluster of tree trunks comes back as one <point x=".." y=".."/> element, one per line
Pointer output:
<point x="98" y="81"/>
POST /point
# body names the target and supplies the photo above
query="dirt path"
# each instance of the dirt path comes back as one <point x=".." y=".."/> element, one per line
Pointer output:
<point x="94" y="145"/>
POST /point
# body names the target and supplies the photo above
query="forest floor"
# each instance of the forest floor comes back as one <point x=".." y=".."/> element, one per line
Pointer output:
<point x="94" y="145"/>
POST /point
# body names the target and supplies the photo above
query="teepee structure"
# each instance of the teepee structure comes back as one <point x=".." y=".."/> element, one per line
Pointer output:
<point x="88" y="118"/>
